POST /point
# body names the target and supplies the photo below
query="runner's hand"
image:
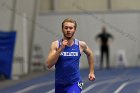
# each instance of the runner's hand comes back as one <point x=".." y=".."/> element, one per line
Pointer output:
<point x="91" y="77"/>
<point x="64" y="43"/>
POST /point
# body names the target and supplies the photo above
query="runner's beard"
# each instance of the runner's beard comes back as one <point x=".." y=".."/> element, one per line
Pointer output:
<point x="67" y="37"/>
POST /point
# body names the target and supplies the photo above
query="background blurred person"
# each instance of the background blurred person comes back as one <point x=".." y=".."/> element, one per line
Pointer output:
<point x="104" y="39"/>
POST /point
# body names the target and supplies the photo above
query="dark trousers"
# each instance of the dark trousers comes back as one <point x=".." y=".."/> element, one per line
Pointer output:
<point x="104" y="51"/>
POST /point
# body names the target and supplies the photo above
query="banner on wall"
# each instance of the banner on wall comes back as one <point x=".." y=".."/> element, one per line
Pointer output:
<point x="7" y="44"/>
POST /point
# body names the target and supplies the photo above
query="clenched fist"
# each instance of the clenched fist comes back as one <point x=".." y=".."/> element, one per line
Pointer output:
<point x="91" y="77"/>
<point x="64" y="43"/>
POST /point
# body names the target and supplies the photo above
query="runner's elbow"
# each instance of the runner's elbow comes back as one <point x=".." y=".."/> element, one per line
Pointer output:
<point x="48" y="65"/>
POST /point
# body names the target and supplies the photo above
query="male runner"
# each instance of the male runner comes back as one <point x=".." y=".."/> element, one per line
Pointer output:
<point x="65" y="55"/>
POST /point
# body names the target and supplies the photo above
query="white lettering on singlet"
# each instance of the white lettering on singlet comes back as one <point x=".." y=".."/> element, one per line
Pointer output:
<point x="69" y="53"/>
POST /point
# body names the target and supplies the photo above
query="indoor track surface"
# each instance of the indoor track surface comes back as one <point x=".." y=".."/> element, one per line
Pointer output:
<point x="115" y="80"/>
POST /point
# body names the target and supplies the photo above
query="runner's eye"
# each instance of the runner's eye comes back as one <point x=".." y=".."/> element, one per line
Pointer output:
<point x="66" y="27"/>
<point x="70" y="28"/>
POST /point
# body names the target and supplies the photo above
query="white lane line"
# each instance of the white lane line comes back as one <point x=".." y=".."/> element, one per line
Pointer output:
<point x="121" y="87"/>
<point x="125" y="84"/>
<point x="93" y="85"/>
<point x="34" y="86"/>
<point x="51" y="91"/>
<point x="86" y="89"/>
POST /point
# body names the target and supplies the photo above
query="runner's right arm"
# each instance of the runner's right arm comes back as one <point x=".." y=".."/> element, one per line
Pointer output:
<point x="54" y="53"/>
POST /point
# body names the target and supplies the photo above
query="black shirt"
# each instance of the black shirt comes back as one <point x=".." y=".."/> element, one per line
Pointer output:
<point x="104" y="37"/>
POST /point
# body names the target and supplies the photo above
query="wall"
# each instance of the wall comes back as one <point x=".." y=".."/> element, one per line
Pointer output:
<point x="90" y="5"/>
<point x="125" y="4"/>
<point x="72" y="5"/>
<point x="5" y="14"/>
<point x="24" y="10"/>
<point x="124" y="26"/>
<point x="24" y="24"/>
<point x="52" y="23"/>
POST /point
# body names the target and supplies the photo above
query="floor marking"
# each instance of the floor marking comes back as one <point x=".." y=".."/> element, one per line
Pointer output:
<point x="51" y="91"/>
<point x="34" y="86"/>
<point x="93" y="85"/>
<point x="125" y="84"/>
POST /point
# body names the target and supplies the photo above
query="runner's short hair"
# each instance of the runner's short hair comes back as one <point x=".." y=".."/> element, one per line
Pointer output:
<point x="70" y="20"/>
